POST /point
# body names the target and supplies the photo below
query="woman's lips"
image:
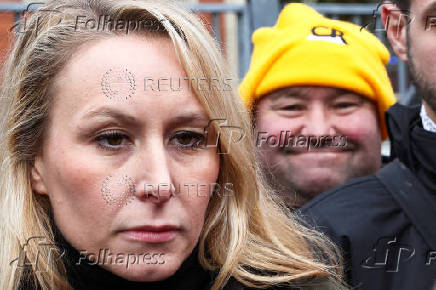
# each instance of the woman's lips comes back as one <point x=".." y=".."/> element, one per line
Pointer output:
<point x="152" y="234"/>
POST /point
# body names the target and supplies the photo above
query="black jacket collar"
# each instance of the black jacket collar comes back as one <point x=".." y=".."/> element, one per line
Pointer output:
<point x="411" y="144"/>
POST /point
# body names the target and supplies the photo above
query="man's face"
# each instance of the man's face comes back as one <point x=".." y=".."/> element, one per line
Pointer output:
<point x="345" y="140"/>
<point x="421" y="47"/>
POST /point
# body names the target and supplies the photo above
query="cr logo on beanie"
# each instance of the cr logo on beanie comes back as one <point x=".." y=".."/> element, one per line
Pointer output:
<point x="324" y="33"/>
<point x="304" y="48"/>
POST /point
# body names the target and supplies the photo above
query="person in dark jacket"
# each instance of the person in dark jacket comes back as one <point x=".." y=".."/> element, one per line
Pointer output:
<point x="383" y="245"/>
<point x="318" y="89"/>
<point x="385" y="223"/>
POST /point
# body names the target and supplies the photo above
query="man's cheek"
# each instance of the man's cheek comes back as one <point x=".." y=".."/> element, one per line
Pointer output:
<point x="357" y="134"/>
<point x="360" y="127"/>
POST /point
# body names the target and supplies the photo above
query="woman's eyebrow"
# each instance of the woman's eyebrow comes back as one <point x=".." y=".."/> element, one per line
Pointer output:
<point x="111" y="113"/>
<point x="190" y="118"/>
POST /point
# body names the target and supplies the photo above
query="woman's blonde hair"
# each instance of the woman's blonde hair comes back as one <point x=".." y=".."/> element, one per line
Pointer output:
<point x="248" y="235"/>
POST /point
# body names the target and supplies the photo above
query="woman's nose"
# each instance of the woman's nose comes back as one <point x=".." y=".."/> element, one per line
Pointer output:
<point x="154" y="182"/>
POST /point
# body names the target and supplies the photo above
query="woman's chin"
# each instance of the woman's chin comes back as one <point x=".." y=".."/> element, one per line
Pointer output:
<point x="143" y="272"/>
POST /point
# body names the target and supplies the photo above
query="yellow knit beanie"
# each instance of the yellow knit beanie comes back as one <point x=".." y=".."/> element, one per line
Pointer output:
<point x="305" y="48"/>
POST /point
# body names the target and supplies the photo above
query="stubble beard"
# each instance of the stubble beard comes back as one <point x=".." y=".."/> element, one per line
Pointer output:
<point x="426" y="90"/>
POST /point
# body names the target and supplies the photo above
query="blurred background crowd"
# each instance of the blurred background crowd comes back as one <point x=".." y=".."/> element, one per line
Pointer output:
<point x="233" y="21"/>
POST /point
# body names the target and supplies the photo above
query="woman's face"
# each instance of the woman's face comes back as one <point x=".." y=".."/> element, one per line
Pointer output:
<point x="119" y="134"/>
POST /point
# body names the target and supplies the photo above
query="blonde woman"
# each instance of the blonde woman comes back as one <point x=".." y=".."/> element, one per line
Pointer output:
<point x="119" y="169"/>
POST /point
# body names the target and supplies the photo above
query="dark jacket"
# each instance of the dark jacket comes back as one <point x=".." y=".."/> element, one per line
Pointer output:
<point x="385" y="222"/>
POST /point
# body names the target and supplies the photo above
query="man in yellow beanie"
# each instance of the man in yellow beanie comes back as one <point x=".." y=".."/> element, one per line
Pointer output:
<point x="318" y="90"/>
<point x="385" y="223"/>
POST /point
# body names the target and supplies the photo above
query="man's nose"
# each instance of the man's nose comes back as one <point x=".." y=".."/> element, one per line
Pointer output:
<point x="318" y="122"/>
<point x="154" y="182"/>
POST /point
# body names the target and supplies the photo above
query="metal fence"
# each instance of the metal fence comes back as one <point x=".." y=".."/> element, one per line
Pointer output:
<point x="243" y="27"/>
<point x="215" y="9"/>
<point x="256" y="13"/>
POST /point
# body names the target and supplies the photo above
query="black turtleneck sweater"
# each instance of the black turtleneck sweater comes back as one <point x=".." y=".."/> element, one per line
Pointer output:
<point x="190" y="276"/>
<point x="86" y="276"/>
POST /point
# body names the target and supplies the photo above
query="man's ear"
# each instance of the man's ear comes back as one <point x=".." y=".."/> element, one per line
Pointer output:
<point x="395" y="22"/>
<point x="37" y="177"/>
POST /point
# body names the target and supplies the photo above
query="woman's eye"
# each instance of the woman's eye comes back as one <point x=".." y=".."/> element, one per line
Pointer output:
<point x="112" y="140"/>
<point x="188" y="140"/>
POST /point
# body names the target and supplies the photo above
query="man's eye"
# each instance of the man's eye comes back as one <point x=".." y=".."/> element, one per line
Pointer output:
<point x="292" y="108"/>
<point x="345" y="105"/>
<point x="187" y="140"/>
<point x="112" y="140"/>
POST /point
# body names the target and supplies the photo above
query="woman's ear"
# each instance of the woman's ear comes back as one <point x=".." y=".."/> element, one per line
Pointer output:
<point x="395" y="22"/>
<point x="37" y="178"/>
